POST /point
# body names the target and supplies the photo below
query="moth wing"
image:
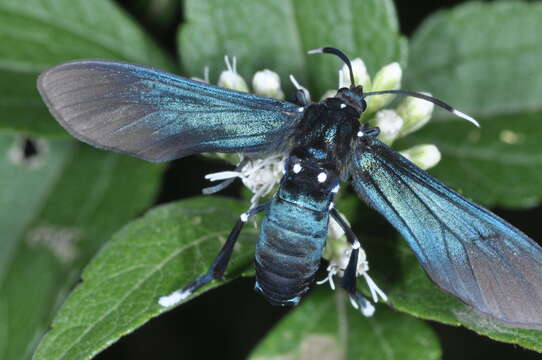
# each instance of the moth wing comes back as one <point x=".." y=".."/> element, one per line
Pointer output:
<point x="465" y="249"/>
<point x="159" y="116"/>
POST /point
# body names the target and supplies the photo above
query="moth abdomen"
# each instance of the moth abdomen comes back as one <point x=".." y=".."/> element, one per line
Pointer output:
<point x="288" y="252"/>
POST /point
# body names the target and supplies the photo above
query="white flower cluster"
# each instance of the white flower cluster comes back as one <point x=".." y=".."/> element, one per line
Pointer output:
<point x="260" y="176"/>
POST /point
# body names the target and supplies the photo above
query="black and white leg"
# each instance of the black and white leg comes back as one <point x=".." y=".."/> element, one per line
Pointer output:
<point x="355" y="268"/>
<point x="219" y="265"/>
<point x="302" y="95"/>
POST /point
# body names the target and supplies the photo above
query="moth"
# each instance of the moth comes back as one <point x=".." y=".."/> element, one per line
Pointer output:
<point x="466" y="250"/>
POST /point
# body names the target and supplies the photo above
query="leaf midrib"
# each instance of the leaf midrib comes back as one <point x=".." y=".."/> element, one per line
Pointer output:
<point x="154" y="270"/>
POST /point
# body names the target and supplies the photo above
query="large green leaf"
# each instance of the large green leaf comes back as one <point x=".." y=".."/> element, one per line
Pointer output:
<point x="484" y="58"/>
<point x="36" y="34"/>
<point x="326" y="326"/>
<point x="26" y="187"/>
<point x="81" y="197"/>
<point x="277" y="34"/>
<point x="149" y="258"/>
<point x="399" y="274"/>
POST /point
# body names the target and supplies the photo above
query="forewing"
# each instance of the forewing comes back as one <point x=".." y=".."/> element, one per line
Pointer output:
<point x="466" y="250"/>
<point x="159" y="116"/>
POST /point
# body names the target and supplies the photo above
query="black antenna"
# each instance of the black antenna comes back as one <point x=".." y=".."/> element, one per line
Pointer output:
<point x="435" y="101"/>
<point x="340" y="54"/>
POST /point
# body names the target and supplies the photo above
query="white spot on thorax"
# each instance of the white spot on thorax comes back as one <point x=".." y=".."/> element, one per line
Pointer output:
<point x="322" y="177"/>
<point x="297" y="168"/>
<point x="360" y="133"/>
<point x="343" y="106"/>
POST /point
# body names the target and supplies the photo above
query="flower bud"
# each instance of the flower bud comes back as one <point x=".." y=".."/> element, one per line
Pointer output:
<point x="361" y="76"/>
<point x="415" y="112"/>
<point x="267" y="83"/>
<point x="230" y="79"/>
<point x="388" y="78"/>
<point x="425" y="156"/>
<point x="390" y="125"/>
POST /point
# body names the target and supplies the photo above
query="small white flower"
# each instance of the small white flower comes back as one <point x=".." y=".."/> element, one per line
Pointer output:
<point x="230" y="79"/>
<point x="267" y="83"/>
<point x="388" y="78"/>
<point x="361" y="76"/>
<point x="259" y="175"/>
<point x="390" y="125"/>
<point x="425" y="156"/>
<point x="415" y="112"/>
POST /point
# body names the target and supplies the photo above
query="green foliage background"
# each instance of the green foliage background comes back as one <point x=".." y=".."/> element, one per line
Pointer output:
<point x="86" y="251"/>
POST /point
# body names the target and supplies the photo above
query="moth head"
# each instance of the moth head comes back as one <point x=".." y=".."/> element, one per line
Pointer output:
<point x="353" y="97"/>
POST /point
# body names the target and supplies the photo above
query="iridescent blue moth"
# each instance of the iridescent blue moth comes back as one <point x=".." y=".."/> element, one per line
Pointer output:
<point x="466" y="250"/>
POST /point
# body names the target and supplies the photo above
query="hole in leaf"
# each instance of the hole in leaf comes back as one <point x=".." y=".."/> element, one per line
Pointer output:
<point x="28" y="152"/>
<point x="29" y="149"/>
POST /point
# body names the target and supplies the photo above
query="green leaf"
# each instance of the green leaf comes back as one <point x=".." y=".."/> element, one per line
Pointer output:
<point x="484" y="58"/>
<point x="149" y="258"/>
<point x="399" y="274"/>
<point x="277" y="34"/>
<point x="326" y="326"/>
<point x="26" y="187"/>
<point x="498" y="164"/>
<point x="37" y="34"/>
<point x="56" y="227"/>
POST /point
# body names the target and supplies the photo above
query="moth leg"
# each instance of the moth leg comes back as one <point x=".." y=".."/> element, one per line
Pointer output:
<point x="218" y="267"/>
<point x="301" y="97"/>
<point x="349" y="282"/>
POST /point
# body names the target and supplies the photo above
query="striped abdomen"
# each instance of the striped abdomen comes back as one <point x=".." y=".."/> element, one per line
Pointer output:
<point x="288" y="251"/>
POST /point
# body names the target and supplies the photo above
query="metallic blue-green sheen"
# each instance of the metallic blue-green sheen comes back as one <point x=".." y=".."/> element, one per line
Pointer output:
<point x="159" y="116"/>
<point x="466" y="250"/>
<point x="293" y="234"/>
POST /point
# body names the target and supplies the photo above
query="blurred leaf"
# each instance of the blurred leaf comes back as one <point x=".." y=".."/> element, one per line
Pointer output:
<point x="398" y="273"/>
<point x="151" y="257"/>
<point x="159" y="14"/>
<point x="85" y="196"/>
<point x="37" y="34"/>
<point x="484" y="58"/>
<point x="326" y="326"/>
<point x="277" y="35"/>
<point x="24" y="190"/>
